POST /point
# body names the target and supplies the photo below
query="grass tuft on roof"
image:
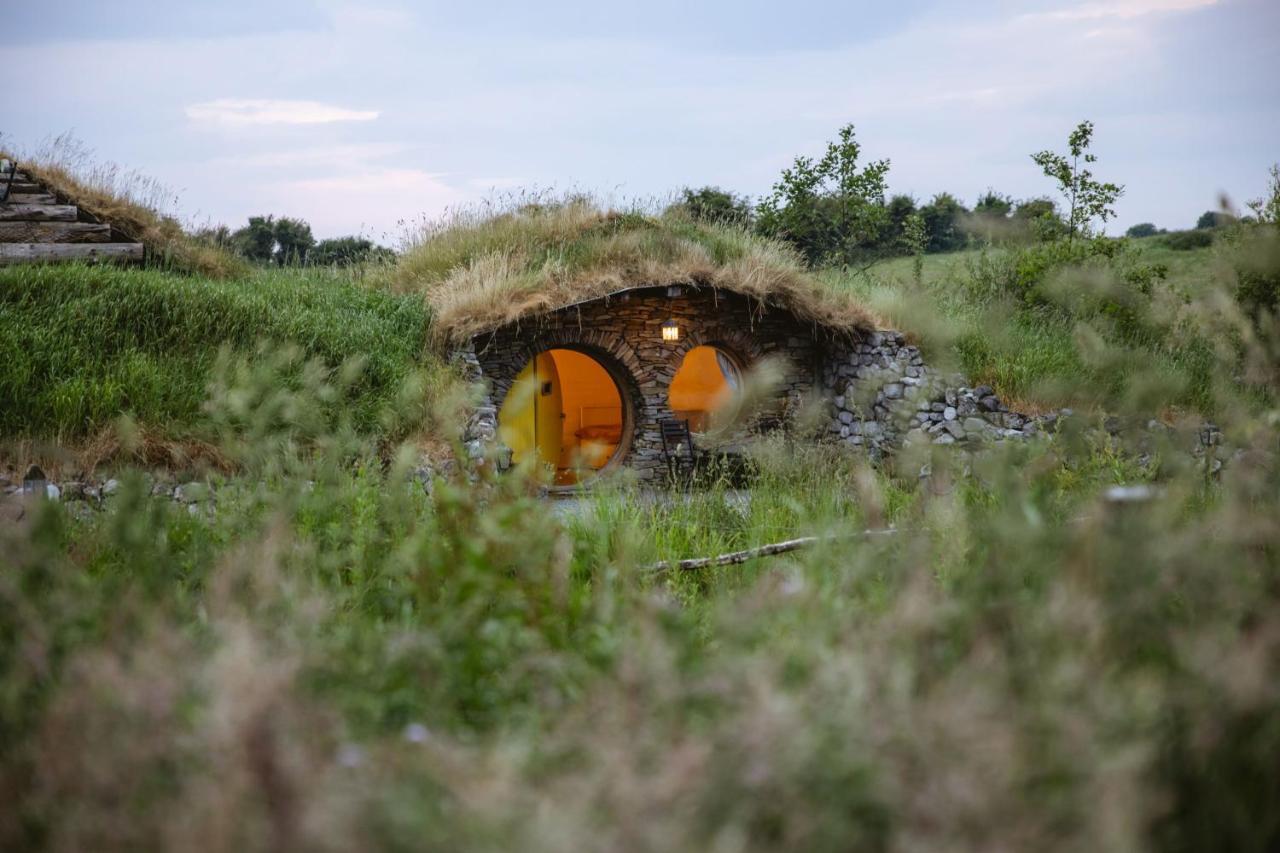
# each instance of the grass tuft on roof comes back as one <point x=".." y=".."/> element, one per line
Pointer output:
<point x="483" y="268"/>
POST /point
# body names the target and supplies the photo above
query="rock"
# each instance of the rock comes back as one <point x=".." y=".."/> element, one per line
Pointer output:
<point x="954" y="429"/>
<point x="991" y="404"/>
<point x="976" y="426"/>
<point x="110" y="487"/>
<point x="846" y="417"/>
<point x="80" y="511"/>
<point x="190" y="493"/>
<point x="839" y="401"/>
<point x="52" y="491"/>
<point x="949" y="413"/>
<point x="983" y="391"/>
<point x="944" y="439"/>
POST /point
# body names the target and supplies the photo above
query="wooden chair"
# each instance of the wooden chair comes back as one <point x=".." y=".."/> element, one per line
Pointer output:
<point x="677" y="446"/>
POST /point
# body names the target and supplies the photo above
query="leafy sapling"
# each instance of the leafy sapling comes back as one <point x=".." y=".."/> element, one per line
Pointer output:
<point x="1087" y="199"/>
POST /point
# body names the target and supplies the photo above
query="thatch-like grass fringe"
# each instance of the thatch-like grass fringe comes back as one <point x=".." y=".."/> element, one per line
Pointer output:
<point x="482" y="271"/>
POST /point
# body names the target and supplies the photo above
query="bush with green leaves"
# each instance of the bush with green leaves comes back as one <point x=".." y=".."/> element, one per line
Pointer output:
<point x="831" y="209"/>
<point x="1142" y="229"/>
<point x="1185" y="241"/>
<point x="712" y="204"/>
<point x="348" y="251"/>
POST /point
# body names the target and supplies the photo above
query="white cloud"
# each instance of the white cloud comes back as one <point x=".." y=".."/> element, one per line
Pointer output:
<point x="1124" y="9"/>
<point x="241" y="111"/>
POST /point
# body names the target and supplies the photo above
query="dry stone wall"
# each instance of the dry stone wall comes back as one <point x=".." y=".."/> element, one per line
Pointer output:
<point x="883" y="394"/>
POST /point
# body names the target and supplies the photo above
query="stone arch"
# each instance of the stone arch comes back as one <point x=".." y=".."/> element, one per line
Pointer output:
<point x="612" y="353"/>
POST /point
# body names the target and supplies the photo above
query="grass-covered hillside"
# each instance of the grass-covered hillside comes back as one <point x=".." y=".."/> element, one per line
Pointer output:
<point x="80" y="346"/>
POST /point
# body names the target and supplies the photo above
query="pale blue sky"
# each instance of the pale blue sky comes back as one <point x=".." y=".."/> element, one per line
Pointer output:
<point x="356" y="116"/>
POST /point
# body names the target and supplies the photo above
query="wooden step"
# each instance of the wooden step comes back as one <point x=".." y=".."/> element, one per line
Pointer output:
<point x="17" y="253"/>
<point x="37" y="212"/>
<point x="23" y="187"/>
<point x="54" y="232"/>
<point x="30" y="198"/>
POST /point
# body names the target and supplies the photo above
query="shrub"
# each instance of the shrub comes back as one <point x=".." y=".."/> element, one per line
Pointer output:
<point x="944" y="219"/>
<point x="1185" y="241"/>
<point x="1214" y="219"/>
<point x="1142" y="229"/>
<point x="714" y="205"/>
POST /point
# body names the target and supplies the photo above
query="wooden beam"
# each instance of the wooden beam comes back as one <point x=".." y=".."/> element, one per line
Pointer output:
<point x="37" y="213"/>
<point x="24" y="187"/>
<point x="16" y="253"/>
<point x="31" y="198"/>
<point x="54" y="232"/>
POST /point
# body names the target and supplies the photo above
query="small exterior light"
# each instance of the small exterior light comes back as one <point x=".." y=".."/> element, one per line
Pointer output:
<point x="671" y="331"/>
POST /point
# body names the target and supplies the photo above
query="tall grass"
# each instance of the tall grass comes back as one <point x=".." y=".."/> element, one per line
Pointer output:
<point x="337" y="658"/>
<point x="1033" y="322"/>
<point x="81" y="345"/>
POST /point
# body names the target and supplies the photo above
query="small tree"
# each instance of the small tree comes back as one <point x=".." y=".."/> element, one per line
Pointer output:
<point x="293" y="241"/>
<point x="1040" y="216"/>
<point x="1142" y="229"/>
<point x="990" y="220"/>
<point x="345" y="251"/>
<point x="712" y="204"/>
<point x="1267" y="208"/>
<point x="898" y="212"/>
<point x="943" y="220"/>
<point x="1214" y="219"/>
<point x="915" y="238"/>
<point x="257" y="240"/>
<point x="1087" y="199"/>
<point x="830" y="209"/>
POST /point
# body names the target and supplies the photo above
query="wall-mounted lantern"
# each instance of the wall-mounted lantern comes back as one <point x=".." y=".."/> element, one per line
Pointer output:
<point x="671" y="331"/>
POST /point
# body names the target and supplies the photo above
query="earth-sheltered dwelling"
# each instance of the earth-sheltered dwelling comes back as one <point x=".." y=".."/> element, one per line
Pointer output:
<point x="607" y="340"/>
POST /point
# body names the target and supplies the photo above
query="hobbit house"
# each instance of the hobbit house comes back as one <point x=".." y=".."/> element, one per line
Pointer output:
<point x="645" y="357"/>
<point x="590" y="386"/>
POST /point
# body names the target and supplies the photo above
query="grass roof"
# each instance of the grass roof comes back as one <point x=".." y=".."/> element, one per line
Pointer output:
<point x="480" y="270"/>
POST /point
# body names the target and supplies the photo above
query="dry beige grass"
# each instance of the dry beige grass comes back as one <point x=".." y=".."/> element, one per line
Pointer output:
<point x="132" y="203"/>
<point x="482" y="270"/>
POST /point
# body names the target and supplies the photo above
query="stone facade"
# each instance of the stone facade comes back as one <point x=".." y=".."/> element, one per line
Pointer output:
<point x="878" y="389"/>
<point x="883" y="394"/>
<point x="624" y="334"/>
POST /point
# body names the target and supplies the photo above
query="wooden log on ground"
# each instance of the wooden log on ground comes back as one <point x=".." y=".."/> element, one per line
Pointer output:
<point x="37" y="213"/>
<point x="54" y="232"/>
<point x="737" y="557"/>
<point x="17" y="253"/>
<point x="23" y="187"/>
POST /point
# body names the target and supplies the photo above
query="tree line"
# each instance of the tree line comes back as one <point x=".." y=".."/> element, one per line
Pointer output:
<point x="838" y="211"/>
<point x="289" y="241"/>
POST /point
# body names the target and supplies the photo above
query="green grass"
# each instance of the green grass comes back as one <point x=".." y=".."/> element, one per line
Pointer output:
<point x="1029" y="346"/>
<point x="80" y="346"/>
